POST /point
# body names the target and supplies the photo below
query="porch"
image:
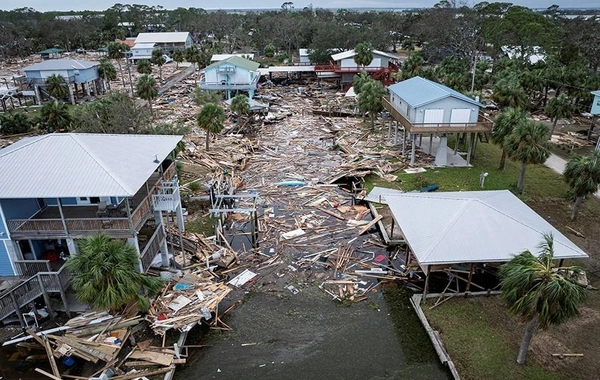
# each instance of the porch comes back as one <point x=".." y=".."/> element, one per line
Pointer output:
<point x="53" y="222"/>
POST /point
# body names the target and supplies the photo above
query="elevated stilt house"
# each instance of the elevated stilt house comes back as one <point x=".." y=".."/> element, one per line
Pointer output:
<point x="423" y="107"/>
<point x="58" y="188"/>
<point x="78" y="75"/>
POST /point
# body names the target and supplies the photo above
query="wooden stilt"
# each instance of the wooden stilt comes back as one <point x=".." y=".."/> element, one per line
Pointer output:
<point x="470" y="148"/>
<point x="456" y="143"/>
<point x="413" y="149"/>
<point x="430" y="143"/>
<point x="426" y="288"/>
<point x="469" y="279"/>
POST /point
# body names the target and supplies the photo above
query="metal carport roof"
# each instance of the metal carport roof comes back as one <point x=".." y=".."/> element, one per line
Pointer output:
<point x="472" y="227"/>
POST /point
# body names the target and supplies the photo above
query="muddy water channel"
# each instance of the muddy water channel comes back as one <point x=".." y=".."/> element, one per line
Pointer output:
<point x="309" y="336"/>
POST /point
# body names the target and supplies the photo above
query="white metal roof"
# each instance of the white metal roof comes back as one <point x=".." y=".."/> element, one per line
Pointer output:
<point x="220" y="57"/>
<point x="418" y="92"/>
<point x="61" y="64"/>
<point x="144" y="45"/>
<point x="81" y="164"/>
<point x="472" y="226"/>
<point x="162" y="37"/>
<point x="351" y="53"/>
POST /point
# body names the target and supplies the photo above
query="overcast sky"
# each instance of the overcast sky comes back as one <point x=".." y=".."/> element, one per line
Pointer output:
<point x="66" y="5"/>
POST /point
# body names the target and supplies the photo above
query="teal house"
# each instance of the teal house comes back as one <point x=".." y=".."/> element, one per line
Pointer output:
<point x="596" y="103"/>
<point x="231" y="74"/>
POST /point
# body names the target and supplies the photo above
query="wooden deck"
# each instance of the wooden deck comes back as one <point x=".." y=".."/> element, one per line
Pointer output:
<point x="83" y="220"/>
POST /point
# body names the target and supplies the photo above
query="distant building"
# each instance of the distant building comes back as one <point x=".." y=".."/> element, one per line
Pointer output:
<point x="75" y="72"/>
<point x="303" y="54"/>
<point x="220" y="57"/>
<point x="141" y="51"/>
<point x="596" y="103"/>
<point x="534" y="54"/>
<point x="343" y="65"/>
<point x="168" y="41"/>
<point x="233" y="73"/>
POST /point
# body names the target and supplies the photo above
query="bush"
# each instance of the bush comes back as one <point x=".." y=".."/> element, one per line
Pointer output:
<point x="15" y="122"/>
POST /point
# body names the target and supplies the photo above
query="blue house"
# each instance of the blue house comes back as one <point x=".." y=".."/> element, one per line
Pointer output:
<point x="231" y="74"/>
<point x="423" y="107"/>
<point x="82" y="75"/>
<point x="596" y="103"/>
<point x="58" y="188"/>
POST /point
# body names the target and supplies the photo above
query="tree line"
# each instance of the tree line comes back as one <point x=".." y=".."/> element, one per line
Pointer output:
<point x="442" y="31"/>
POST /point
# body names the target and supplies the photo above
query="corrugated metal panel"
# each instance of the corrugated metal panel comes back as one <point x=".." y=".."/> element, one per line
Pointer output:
<point x="60" y="64"/>
<point x="5" y="266"/>
<point x="164" y="37"/>
<point x="148" y="45"/>
<point x="476" y="226"/>
<point x="419" y="91"/>
<point x="351" y="53"/>
<point x="73" y="165"/>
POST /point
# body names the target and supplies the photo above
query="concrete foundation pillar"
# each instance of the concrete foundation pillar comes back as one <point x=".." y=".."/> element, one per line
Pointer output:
<point x="441" y="156"/>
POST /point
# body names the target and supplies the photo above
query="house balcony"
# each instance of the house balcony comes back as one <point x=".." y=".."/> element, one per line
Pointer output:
<point x="79" y="221"/>
<point x="483" y="124"/>
<point x="224" y="85"/>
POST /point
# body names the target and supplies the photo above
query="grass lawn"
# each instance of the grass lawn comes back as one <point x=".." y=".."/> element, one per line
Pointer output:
<point x="480" y="336"/>
<point x="540" y="181"/>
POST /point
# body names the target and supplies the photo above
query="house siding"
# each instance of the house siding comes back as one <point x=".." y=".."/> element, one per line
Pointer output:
<point x="447" y="104"/>
<point x="6" y="268"/>
<point x="595" y="106"/>
<point x="19" y="208"/>
<point x="63" y="201"/>
<point x="240" y="76"/>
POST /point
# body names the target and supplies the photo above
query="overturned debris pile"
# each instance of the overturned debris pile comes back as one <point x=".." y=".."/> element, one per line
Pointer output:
<point x="186" y="301"/>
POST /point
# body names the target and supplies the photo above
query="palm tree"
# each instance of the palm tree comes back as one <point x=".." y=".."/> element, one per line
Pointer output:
<point x="192" y="55"/>
<point x="117" y="51"/>
<point x="210" y="118"/>
<point x="558" y="108"/>
<point x="527" y="144"/>
<point x="503" y="127"/>
<point x="358" y="81"/>
<point x="147" y="89"/>
<point x="583" y="176"/>
<point x="178" y="57"/>
<point x="107" y="72"/>
<point x="158" y="58"/>
<point x="508" y="92"/>
<point x="369" y="99"/>
<point x="539" y="293"/>
<point x="55" y="115"/>
<point x="363" y="54"/>
<point x="240" y="105"/>
<point x="56" y="85"/>
<point x="106" y="275"/>
<point x="143" y="67"/>
<point x="413" y="66"/>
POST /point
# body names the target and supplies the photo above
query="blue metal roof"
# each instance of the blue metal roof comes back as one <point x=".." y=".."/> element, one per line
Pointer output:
<point x="419" y="91"/>
<point x="596" y="93"/>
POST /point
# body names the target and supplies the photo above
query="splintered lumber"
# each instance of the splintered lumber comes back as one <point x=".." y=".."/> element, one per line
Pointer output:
<point x="48" y="374"/>
<point x="371" y="224"/>
<point x="81" y="345"/>
<point x="153" y="357"/>
<point x="50" y="356"/>
<point x="140" y="374"/>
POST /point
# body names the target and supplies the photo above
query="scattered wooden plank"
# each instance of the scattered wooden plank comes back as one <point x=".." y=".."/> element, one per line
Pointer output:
<point x="371" y="224"/>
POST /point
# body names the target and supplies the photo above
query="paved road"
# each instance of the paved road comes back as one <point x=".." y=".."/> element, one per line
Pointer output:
<point x="558" y="164"/>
